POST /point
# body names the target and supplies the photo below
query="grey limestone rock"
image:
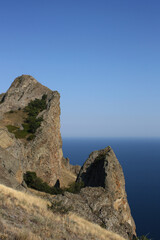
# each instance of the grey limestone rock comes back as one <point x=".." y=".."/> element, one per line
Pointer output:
<point x="103" y="200"/>
<point x="43" y="154"/>
<point x="10" y="170"/>
<point x="23" y="89"/>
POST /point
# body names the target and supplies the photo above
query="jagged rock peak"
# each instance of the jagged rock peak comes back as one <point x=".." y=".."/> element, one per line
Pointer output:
<point x="94" y="171"/>
<point x="102" y="169"/>
<point x="23" y="89"/>
<point x="23" y="79"/>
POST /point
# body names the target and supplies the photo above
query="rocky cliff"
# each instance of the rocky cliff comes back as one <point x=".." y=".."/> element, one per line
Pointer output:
<point x="30" y="140"/>
<point x="42" y="154"/>
<point x="103" y="199"/>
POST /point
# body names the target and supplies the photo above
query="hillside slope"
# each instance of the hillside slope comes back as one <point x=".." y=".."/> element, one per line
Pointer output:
<point x="26" y="217"/>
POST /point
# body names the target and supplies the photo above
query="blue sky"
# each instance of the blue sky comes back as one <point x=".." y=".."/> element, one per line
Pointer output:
<point x="102" y="56"/>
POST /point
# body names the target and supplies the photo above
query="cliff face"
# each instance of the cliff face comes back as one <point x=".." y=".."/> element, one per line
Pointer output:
<point x="102" y="169"/>
<point x="103" y="199"/>
<point x="43" y="154"/>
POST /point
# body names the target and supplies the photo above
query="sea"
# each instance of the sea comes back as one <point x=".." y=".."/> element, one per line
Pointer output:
<point x="140" y="160"/>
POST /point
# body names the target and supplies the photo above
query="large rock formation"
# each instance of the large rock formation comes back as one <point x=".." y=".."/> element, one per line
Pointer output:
<point x="103" y="200"/>
<point x="43" y="154"/>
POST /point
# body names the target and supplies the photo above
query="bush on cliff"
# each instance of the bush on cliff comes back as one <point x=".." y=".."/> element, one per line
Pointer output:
<point x="33" y="109"/>
<point x="143" y="238"/>
<point x="37" y="183"/>
<point x="36" y="106"/>
<point x="32" y="122"/>
<point x="75" y="187"/>
<point x="57" y="207"/>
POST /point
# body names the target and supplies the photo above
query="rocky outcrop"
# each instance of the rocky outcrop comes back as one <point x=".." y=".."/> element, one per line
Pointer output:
<point x="72" y="168"/>
<point x="43" y="154"/>
<point x="10" y="170"/>
<point x="24" y="89"/>
<point x="103" y="200"/>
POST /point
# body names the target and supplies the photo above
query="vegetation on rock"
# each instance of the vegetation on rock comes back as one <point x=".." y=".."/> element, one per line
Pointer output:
<point x="32" y="123"/>
<point x="57" y="207"/>
<point x="37" y="183"/>
<point x="75" y="187"/>
<point x="33" y="109"/>
<point x="11" y="128"/>
<point x="142" y="238"/>
<point x="36" y="106"/>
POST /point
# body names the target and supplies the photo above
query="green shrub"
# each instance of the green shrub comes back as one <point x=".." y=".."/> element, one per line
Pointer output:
<point x="143" y="238"/>
<point x="75" y="187"/>
<point x="33" y="109"/>
<point x="11" y="111"/>
<point x="31" y="137"/>
<point x="17" y="132"/>
<point x="29" y="178"/>
<point x="20" y="133"/>
<point x="25" y="127"/>
<point x="36" y="106"/>
<point x="37" y="183"/>
<point x="57" y="207"/>
<point x="32" y="123"/>
<point x="12" y="128"/>
<point x="103" y="225"/>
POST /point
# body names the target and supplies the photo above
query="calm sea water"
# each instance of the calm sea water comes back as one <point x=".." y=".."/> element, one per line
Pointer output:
<point x="140" y="160"/>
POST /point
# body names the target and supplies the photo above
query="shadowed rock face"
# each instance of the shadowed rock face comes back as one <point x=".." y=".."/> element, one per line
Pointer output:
<point x="44" y="153"/>
<point x="102" y="169"/>
<point x="95" y="174"/>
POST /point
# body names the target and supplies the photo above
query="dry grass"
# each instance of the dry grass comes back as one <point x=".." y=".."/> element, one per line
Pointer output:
<point x="21" y="199"/>
<point x="26" y="217"/>
<point x="16" y="118"/>
<point x="83" y="226"/>
<point x="67" y="177"/>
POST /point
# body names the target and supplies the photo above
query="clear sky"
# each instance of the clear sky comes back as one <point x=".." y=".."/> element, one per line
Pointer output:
<point x="103" y="56"/>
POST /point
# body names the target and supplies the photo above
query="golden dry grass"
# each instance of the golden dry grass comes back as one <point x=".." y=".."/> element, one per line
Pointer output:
<point x="16" y="118"/>
<point x="26" y="217"/>
<point x="67" y="177"/>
